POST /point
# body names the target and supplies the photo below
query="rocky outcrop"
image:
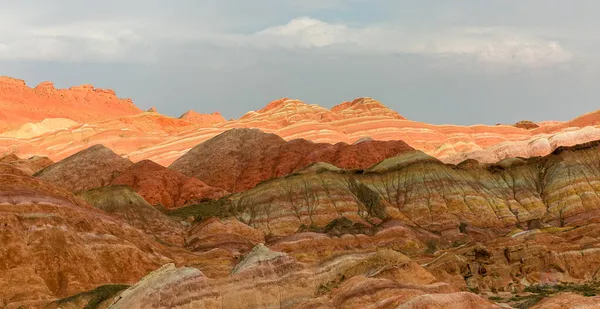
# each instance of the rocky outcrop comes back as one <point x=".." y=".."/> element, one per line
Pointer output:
<point x="159" y="185"/>
<point x="269" y="279"/>
<point x="28" y="166"/>
<point x="526" y="124"/>
<point x="21" y="104"/>
<point x="91" y="168"/>
<point x="195" y="117"/>
<point x="241" y="158"/>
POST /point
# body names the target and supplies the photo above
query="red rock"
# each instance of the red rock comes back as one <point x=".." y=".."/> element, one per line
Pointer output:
<point x="241" y="158"/>
<point x="169" y="188"/>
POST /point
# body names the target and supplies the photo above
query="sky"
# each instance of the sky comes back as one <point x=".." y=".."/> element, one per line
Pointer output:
<point x="459" y="62"/>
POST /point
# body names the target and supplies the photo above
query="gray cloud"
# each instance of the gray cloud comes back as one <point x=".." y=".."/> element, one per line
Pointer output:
<point x="458" y="62"/>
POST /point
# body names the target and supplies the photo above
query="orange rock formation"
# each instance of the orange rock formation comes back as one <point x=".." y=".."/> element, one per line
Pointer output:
<point x="20" y="104"/>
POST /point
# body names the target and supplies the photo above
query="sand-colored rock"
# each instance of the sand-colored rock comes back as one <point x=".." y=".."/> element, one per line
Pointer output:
<point x="48" y="125"/>
<point x="20" y="104"/>
<point x="91" y="168"/>
<point x="159" y="185"/>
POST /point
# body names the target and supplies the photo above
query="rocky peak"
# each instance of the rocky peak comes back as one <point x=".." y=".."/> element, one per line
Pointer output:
<point x="195" y="117"/>
<point x="259" y="254"/>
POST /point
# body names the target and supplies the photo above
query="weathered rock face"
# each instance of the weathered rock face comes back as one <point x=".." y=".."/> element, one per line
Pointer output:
<point x="547" y="256"/>
<point x="91" y="168"/>
<point x="20" y="104"/>
<point x="569" y="300"/>
<point x="227" y="234"/>
<point x="241" y="158"/>
<point x="420" y="190"/>
<point x="55" y="245"/>
<point x="169" y="188"/>
<point x="282" y="282"/>
<point x="123" y="203"/>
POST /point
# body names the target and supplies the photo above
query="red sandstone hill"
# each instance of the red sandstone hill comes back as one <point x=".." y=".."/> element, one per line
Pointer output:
<point x="20" y="104"/>
<point x="91" y="168"/>
<point x="160" y="185"/>
<point x="241" y="158"/>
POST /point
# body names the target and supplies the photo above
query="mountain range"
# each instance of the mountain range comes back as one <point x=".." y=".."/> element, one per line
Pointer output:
<point x="103" y="205"/>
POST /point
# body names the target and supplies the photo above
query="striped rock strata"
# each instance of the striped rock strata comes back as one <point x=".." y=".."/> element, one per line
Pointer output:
<point x="20" y="104"/>
<point x="561" y="188"/>
<point x="268" y="279"/>
<point x="123" y="203"/>
<point x="56" y="245"/>
<point x="94" y="167"/>
<point x="163" y="139"/>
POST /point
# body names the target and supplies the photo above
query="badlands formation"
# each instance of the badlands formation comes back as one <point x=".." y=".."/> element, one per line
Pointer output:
<point x="291" y="206"/>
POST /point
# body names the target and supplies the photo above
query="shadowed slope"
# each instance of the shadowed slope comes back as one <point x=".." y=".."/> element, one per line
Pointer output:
<point x="123" y="203"/>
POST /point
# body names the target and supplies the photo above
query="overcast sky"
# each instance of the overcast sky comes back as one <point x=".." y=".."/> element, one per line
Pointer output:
<point x="460" y="61"/>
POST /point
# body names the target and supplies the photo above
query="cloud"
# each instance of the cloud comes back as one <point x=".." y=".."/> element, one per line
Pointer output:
<point x="81" y="41"/>
<point x="494" y="45"/>
<point x="148" y="38"/>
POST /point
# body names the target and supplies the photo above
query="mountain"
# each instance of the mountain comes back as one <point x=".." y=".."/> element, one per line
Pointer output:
<point x="298" y="206"/>
<point x="94" y="167"/>
<point x="238" y="159"/>
<point x="195" y="117"/>
<point x="20" y="104"/>
<point x="139" y="135"/>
